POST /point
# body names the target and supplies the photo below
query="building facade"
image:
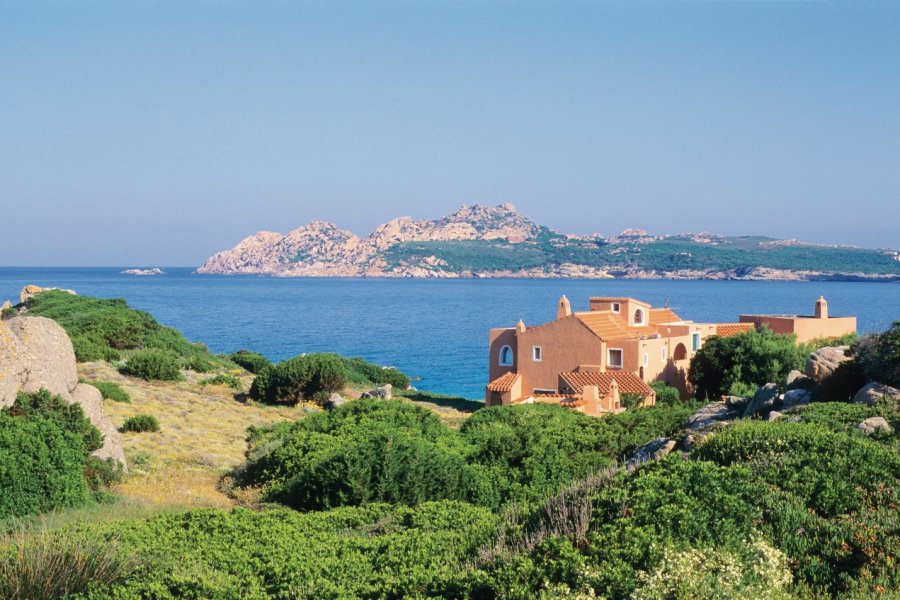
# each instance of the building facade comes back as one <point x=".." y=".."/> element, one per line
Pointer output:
<point x="806" y="327"/>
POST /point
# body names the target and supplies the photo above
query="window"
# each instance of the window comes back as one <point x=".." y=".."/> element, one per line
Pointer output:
<point x="545" y="391"/>
<point x="639" y="316"/>
<point x="695" y="341"/>
<point x="506" y="356"/>
<point x="646" y="359"/>
<point x="536" y="354"/>
<point x="616" y="307"/>
<point x="665" y="353"/>
<point x="614" y="358"/>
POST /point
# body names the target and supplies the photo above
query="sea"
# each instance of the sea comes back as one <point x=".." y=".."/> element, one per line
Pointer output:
<point x="435" y="330"/>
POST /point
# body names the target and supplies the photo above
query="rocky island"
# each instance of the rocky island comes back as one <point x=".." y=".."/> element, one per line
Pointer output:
<point x="497" y="241"/>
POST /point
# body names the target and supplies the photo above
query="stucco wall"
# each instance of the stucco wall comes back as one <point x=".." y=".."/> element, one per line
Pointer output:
<point x="565" y="343"/>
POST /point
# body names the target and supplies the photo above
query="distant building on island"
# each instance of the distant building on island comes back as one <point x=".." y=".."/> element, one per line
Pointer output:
<point x="589" y="360"/>
<point x="806" y="327"/>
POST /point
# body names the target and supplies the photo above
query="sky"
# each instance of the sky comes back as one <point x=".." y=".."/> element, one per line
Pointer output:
<point x="146" y="133"/>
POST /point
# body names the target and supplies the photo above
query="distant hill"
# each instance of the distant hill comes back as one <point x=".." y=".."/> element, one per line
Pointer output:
<point x="497" y="241"/>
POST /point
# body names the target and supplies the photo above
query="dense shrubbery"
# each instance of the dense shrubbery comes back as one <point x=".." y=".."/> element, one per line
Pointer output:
<point x="226" y="379"/>
<point x="251" y="361"/>
<point x="373" y="451"/>
<point x="743" y="361"/>
<point x="44" y="451"/>
<point x="299" y="378"/>
<point x="111" y="391"/>
<point x="141" y="423"/>
<point x="363" y="372"/>
<point x="878" y="356"/>
<point x="666" y="395"/>
<point x="153" y="364"/>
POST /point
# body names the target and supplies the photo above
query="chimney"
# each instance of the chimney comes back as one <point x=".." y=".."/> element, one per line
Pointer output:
<point x="615" y="401"/>
<point x="590" y="395"/>
<point x="520" y="326"/>
<point x="564" y="309"/>
<point x="821" y="308"/>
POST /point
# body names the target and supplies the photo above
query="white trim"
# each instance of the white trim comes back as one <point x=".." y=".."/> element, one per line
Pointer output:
<point x="616" y="307"/>
<point x="609" y="362"/>
<point x="699" y="341"/>
<point x="537" y="353"/>
<point x="646" y="362"/>
<point x="512" y="358"/>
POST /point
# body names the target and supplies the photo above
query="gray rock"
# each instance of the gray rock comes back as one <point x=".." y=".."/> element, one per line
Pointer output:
<point x="736" y="402"/>
<point x="385" y="392"/>
<point x="335" y="400"/>
<point x="793" y="376"/>
<point x="774" y="416"/>
<point x="870" y="393"/>
<point x="795" y="397"/>
<point x="715" y="412"/>
<point x="653" y="450"/>
<point x="820" y="365"/>
<point x="874" y="425"/>
<point x="762" y="401"/>
<point x="798" y="381"/>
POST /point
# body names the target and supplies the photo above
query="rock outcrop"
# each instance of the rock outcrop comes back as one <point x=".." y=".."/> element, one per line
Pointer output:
<point x="870" y="393"/>
<point x="874" y="425"/>
<point x="821" y="364"/>
<point x="30" y="290"/>
<point x="35" y="354"/>
<point x="762" y="401"/>
<point x="384" y="392"/>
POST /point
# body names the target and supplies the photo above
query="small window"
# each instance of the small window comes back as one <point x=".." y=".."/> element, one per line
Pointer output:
<point x="695" y="341"/>
<point x="616" y="307"/>
<point x="614" y="358"/>
<point x="536" y="354"/>
<point x="646" y="359"/>
<point x="639" y="316"/>
<point x="665" y="353"/>
<point x="544" y="391"/>
<point x="506" y="356"/>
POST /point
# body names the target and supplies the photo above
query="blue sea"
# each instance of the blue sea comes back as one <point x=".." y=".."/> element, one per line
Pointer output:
<point x="435" y="330"/>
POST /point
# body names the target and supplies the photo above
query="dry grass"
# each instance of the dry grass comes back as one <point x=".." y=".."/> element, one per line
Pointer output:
<point x="201" y="437"/>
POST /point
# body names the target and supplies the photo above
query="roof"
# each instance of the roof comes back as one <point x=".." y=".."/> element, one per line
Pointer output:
<point x="610" y="326"/>
<point x="629" y="383"/>
<point x="503" y="383"/>
<point x="729" y="329"/>
<point x="663" y="315"/>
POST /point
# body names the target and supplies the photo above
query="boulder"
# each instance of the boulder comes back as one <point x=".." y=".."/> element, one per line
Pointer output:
<point x="653" y="450"/>
<point x="385" y="392"/>
<point x="736" y="402"/>
<point x="874" y="425"/>
<point x="715" y="412"/>
<point x="31" y="290"/>
<point x="795" y="397"/>
<point x="870" y="393"/>
<point x="762" y="401"/>
<point x="335" y="400"/>
<point x="820" y="365"/>
<point x="35" y="354"/>
<point x="6" y="305"/>
<point x="798" y="381"/>
<point x="774" y="416"/>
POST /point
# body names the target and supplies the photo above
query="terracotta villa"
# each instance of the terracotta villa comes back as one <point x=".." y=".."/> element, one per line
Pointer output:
<point x="588" y="360"/>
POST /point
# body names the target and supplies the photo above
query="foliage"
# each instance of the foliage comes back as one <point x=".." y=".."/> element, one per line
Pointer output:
<point x="48" y="566"/>
<point x="666" y="395"/>
<point x="141" y="424"/>
<point x="752" y="358"/>
<point x="226" y="379"/>
<point x="44" y="446"/>
<point x="153" y="365"/>
<point x="111" y="391"/>
<point x="878" y="355"/>
<point x="363" y="372"/>
<point x="300" y="377"/>
<point x="251" y="361"/>
<point x="198" y="364"/>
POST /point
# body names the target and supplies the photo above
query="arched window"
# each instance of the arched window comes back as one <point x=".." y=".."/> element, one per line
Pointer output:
<point x="680" y="352"/>
<point x="639" y="316"/>
<point x="506" y="356"/>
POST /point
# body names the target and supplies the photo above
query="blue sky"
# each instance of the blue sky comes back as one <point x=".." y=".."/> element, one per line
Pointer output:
<point x="155" y="133"/>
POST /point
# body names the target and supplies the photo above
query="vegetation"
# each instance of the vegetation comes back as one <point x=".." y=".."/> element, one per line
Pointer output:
<point x="299" y="378"/>
<point x="745" y="361"/>
<point x="363" y="372"/>
<point x="111" y="391"/>
<point x="226" y="379"/>
<point x="153" y="365"/>
<point x="666" y="395"/>
<point x="141" y="424"/>
<point x="878" y="356"/>
<point x="251" y="361"/>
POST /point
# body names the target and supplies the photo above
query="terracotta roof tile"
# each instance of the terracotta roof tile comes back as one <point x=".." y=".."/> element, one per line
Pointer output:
<point x="504" y="383"/>
<point x="628" y="382"/>
<point x="729" y="329"/>
<point x="663" y="315"/>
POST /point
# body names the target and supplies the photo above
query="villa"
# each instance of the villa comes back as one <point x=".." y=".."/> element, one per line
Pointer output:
<point x="806" y="327"/>
<point x="589" y="360"/>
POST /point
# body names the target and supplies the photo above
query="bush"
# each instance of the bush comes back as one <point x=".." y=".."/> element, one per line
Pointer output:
<point x="364" y="372"/>
<point x="44" y="446"/>
<point x="198" y="364"/>
<point x="111" y="391"/>
<point x="153" y="365"/>
<point x="666" y="395"/>
<point x="225" y="379"/>
<point x="140" y="424"/>
<point x="752" y="358"/>
<point x="878" y="356"/>
<point x="251" y="361"/>
<point x="300" y="377"/>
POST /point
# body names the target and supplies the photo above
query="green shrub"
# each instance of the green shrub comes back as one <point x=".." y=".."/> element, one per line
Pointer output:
<point x="300" y="377"/>
<point x="44" y="446"/>
<point x="101" y="473"/>
<point x="140" y="424"/>
<point x="251" y="361"/>
<point x="878" y="356"/>
<point x="198" y="364"/>
<point x="750" y="359"/>
<point x="364" y="372"/>
<point x="666" y="395"/>
<point x="226" y="379"/>
<point x="111" y="391"/>
<point x="153" y="365"/>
